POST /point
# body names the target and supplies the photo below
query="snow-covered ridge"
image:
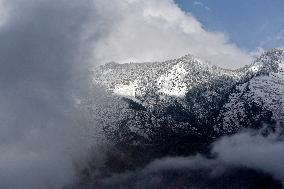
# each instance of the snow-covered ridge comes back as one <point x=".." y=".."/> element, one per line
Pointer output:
<point x="190" y="95"/>
<point x="271" y="61"/>
<point x="171" y="78"/>
<point x="261" y="98"/>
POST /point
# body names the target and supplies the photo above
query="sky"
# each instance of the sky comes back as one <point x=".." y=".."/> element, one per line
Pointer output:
<point x="250" y="24"/>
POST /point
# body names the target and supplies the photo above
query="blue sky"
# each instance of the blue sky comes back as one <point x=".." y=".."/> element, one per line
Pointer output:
<point x="248" y="23"/>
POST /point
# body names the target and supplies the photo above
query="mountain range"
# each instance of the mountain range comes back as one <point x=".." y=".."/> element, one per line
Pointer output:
<point x="188" y="95"/>
<point x="179" y="108"/>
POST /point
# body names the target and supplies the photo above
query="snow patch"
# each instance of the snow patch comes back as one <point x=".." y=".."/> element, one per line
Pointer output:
<point x="173" y="83"/>
<point x="281" y="66"/>
<point x="127" y="91"/>
<point x="255" y="68"/>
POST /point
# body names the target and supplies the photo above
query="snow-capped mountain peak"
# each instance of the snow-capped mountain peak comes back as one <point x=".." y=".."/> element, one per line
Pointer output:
<point x="190" y="95"/>
<point x="270" y="61"/>
<point x="171" y="78"/>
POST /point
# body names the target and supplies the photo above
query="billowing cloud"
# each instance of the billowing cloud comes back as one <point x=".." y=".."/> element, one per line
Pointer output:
<point x="247" y="160"/>
<point x="43" y="76"/>
<point x="200" y="4"/>
<point x="251" y="149"/>
<point x="147" y="30"/>
<point x="4" y="12"/>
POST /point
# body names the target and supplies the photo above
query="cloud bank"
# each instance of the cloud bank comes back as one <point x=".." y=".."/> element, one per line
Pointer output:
<point x="251" y="149"/>
<point x="244" y="160"/>
<point x="150" y="30"/>
<point x="43" y="75"/>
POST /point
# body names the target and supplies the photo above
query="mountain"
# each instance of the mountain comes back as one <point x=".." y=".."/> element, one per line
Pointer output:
<point x="162" y="94"/>
<point x="188" y="95"/>
<point x="258" y="100"/>
<point x="178" y="108"/>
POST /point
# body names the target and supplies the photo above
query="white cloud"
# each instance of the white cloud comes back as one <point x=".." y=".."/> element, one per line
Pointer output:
<point x="198" y="3"/>
<point x="4" y="12"/>
<point x="150" y="30"/>
<point x="249" y="150"/>
<point x="276" y="40"/>
<point x="254" y="151"/>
